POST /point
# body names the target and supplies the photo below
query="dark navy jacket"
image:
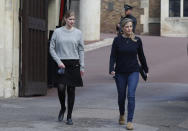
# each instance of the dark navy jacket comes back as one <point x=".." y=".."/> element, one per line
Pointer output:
<point x="124" y="54"/>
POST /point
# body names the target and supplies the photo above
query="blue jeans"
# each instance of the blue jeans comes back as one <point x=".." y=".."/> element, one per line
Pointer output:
<point x="122" y="81"/>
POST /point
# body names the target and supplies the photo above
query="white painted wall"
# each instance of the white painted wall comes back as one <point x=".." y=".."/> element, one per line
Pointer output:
<point x="90" y="19"/>
<point x="53" y="13"/>
<point x="171" y="26"/>
<point x="9" y="48"/>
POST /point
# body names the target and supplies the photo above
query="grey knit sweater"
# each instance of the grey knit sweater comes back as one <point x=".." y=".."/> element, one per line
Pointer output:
<point x="67" y="45"/>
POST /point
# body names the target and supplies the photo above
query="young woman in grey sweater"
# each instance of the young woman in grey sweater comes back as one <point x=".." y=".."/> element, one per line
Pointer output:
<point x="67" y="49"/>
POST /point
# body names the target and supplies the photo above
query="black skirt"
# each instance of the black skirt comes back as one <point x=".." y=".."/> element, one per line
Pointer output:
<point x="71" y="76"/>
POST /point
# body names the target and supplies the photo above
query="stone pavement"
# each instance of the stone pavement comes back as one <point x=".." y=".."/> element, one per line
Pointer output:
<point x="40" y="113"/>
<point x="96" y="110"/>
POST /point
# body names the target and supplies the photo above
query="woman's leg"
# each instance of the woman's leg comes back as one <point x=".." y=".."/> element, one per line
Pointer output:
<point x="133" y="79"/>
<point x="62" y="96"/>
<point x="71" y="99"/>
<point x="121" y="83"/>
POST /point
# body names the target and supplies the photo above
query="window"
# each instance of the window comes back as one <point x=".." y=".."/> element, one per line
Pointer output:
<point x="174" y="8"/>
<point x="178" y="8"/>
<point x="185" y="8"/>
<point x="110" y="6"/>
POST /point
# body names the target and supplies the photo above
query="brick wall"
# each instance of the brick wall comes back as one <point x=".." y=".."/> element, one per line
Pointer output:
<point x="111" y="11"/>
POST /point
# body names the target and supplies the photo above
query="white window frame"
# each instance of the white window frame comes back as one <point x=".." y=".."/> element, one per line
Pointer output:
<point x="182" y="10"/>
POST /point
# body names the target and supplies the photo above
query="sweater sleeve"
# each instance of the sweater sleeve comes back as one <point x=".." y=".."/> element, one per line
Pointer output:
<point x="81" y="52"/>
<point x="113" y="56"/>
<point x="142" y="57"/>
<point x="52" y="49"/>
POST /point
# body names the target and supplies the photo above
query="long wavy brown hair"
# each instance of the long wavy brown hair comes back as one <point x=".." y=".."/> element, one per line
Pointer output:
<point x="123" y="23"/>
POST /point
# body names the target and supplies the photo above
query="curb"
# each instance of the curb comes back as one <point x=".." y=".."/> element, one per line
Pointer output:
<point x="96" y="45"/>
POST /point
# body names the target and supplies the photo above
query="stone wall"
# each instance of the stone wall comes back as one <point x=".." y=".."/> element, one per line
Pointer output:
<point x="154" y="17"/>
<point x="9" y="48"/>
<point x="172" y="26"/>
<point x="111" y="11"/>
<point x="145" y="16"/>
<point x="155" y="8"/>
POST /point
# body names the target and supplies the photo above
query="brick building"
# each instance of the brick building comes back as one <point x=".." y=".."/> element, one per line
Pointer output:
<point x="112" y="10"/>
<point x="147" y="13"/>
<point x="154" y="18"/>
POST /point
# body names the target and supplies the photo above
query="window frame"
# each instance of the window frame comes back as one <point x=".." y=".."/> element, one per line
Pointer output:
<point x="174" y="9"/>
<point x="181" y="10"/>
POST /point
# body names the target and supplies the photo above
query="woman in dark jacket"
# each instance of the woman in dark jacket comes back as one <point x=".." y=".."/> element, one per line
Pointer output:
<point x="125" y="49"/>
<point x="67" y="49"/>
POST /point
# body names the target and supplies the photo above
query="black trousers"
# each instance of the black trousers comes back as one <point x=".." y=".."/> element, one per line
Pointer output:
<point x="62" y="98"/>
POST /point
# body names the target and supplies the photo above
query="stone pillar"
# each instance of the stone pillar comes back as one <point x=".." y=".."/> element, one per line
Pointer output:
<point x="145" y="16"/>
<point x="9" y="48"/>
<point x="53" y="13"/>
<point x="90" y="19"/>
<point x="2" y="12"/>
<point x="164" y="15"/>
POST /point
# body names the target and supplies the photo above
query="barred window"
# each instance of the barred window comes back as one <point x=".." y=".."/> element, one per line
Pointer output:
<point x="185" y="8"/>
<point x="174" y="8"/>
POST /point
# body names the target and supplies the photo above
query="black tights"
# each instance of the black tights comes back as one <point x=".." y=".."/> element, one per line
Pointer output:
<point x="71" y="98"/>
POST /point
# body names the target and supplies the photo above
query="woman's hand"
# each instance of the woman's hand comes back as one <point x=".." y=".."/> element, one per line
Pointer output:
<point x="61" y="65"/>
<point x="147" y="75"/>
<point x="113" y="73"/>
<point x="82" y="73"/>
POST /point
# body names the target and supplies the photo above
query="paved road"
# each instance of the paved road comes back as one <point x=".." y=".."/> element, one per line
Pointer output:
<point x="162" y="102"/>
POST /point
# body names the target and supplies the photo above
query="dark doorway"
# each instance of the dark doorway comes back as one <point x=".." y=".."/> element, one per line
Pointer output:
<point x="33" y="47"/>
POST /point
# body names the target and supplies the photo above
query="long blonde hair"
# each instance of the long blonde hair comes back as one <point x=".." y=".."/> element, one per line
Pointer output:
<point x="123" y="23"/>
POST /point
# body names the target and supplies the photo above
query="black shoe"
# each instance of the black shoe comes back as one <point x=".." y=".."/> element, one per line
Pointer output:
<point x="69" y="121"/>
<point x="61" y="115"/>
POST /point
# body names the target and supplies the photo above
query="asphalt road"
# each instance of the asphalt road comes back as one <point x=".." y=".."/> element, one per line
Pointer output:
<point x="161" y="103"/>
